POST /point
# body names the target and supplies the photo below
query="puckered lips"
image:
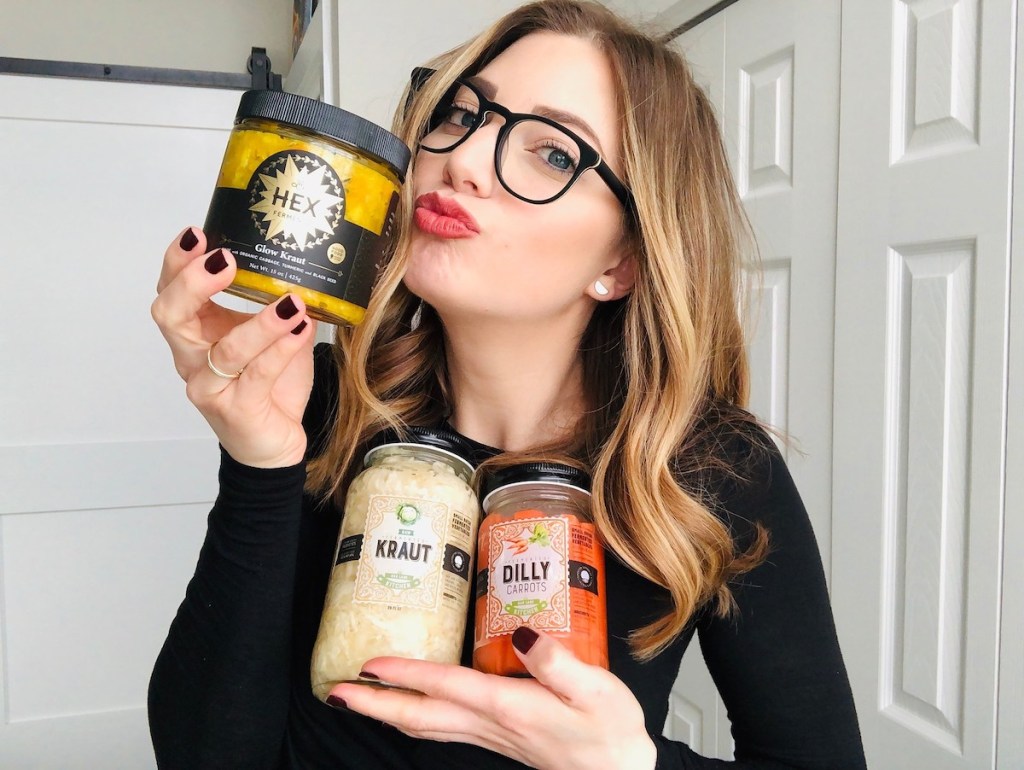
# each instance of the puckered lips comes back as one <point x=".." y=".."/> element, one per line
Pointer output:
<point x="442" y="216"/>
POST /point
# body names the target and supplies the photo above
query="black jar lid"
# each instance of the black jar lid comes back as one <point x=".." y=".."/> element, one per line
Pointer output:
<point x="437" y="438"/>
<point x="331" y="121"/>
<point x="550" y="473"/>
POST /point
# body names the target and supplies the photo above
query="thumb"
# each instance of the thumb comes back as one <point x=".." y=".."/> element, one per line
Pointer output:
<point x="553" y="665"/>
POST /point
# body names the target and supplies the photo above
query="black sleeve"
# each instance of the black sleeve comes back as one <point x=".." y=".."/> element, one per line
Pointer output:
<point x="218" y="695"/>
<point x="776" y="663"/>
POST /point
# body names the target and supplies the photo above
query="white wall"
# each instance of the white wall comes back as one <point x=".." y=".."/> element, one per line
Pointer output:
<point x="106" y="472"/>
<point x="378" y="43"/>
<point x="371" y="69"/>
<point x="186" y="34"/>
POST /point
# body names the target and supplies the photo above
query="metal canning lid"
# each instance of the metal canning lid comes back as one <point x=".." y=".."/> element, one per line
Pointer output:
<point x="531" y="473"/>
<point x="441" y="439"/>
<point x="330" y="121"/>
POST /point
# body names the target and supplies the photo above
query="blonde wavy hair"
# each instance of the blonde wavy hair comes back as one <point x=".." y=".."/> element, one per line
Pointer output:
<point x="664" y="368"/>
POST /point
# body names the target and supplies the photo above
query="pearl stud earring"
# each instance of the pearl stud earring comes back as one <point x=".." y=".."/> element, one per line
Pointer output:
<point x="601" y="289"/>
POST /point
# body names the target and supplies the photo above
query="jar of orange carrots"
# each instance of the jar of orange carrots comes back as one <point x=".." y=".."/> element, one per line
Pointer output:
<point x="541" y="564"/>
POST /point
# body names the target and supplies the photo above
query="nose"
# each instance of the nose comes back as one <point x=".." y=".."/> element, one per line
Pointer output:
<point x="469" y="167"/>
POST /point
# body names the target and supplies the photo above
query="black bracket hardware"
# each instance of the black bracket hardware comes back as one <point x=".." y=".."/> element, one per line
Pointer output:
<point x="259" y="66"/>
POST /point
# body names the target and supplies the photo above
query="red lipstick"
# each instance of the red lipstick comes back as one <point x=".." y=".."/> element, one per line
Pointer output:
<point x="441" y="216"/>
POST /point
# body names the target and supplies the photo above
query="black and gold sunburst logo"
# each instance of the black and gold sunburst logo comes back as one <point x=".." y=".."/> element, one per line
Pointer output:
<point x="296" y="200"/>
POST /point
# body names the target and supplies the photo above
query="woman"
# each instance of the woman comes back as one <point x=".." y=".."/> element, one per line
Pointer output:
<point x="535" y="303"/>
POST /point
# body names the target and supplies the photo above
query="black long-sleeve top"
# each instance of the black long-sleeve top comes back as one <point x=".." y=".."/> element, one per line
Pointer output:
<point x="231" y="687"/>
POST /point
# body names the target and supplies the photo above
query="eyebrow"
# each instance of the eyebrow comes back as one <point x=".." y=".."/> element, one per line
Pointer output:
<point x="490" y="91"/>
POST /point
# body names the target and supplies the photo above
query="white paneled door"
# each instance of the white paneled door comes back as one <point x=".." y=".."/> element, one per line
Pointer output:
<point x="106" y="472"/>
<point x="772" y="70"/>
<point x="920" y="396"/>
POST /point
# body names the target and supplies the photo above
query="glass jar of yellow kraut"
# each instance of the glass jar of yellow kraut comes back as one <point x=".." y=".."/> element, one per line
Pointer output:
<point x="306" y="202"/>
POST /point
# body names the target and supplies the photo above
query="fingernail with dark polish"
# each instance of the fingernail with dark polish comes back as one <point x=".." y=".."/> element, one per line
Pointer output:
<point x="298" y="329"/>
<point x="335" y="702"/>
<point x="286" y="308"/>
<point x="188" y="240"/>
<point x="216" y="262"/>
<point x="523" y="639"/>
<point x="368" y="675"/>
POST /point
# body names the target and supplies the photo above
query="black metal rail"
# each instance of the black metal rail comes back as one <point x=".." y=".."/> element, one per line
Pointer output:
<point x="700" y="18"/>
<point x="259" y="74"/>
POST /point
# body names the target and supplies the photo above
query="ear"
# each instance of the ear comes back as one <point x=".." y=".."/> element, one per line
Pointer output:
<point x="618" y="280"/>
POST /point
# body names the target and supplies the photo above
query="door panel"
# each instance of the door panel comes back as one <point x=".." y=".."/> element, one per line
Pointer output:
<point x="1010" y="728"/>
<point x="921" y="326"/>
<point x="106" y="471"/>
<point x="772" y="70"/>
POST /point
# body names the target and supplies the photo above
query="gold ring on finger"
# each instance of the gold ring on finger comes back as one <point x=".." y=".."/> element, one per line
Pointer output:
<point x="218" y="372"/>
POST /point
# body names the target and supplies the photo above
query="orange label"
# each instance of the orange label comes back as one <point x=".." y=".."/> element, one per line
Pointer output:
<point x="528" y="580"/>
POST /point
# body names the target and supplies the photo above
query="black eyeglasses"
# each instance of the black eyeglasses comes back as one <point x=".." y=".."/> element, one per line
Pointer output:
<point x="536" y="159"/>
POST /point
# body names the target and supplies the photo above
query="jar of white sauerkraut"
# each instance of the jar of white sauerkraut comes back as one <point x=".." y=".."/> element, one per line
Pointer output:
<point x="404" y="563"/>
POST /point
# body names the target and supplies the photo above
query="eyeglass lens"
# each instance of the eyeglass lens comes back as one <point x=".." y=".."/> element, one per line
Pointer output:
<point x="537" y="161"/>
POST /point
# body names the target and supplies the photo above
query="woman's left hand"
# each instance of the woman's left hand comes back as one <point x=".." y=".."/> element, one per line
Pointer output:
<point x="570" y="715"/>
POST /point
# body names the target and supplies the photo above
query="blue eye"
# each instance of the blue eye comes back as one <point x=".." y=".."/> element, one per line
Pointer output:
<point x="460" y="117"/>
<point x="556" y="158"/>
<point x="561" y="160"/>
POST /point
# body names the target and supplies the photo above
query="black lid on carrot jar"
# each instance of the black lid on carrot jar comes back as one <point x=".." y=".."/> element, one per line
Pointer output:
<point x="437" y="438"/>
<point x="551" y="473"/>
<point x="331" y="121"/>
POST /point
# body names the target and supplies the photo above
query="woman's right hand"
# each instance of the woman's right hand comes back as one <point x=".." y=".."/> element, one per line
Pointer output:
<point x="258" y="415"/>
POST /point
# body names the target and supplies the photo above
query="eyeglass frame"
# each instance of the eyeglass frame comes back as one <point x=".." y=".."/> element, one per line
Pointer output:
<point x="590" y="158"/>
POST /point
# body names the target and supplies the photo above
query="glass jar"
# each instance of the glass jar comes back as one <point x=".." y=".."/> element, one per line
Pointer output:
<point x="541" y="564"/>
<point x="401" y="580"/>
<point x="306" y="201"/>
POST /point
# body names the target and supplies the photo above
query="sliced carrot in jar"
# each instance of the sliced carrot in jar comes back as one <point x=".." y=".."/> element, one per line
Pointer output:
<point x="543" y="570"/>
